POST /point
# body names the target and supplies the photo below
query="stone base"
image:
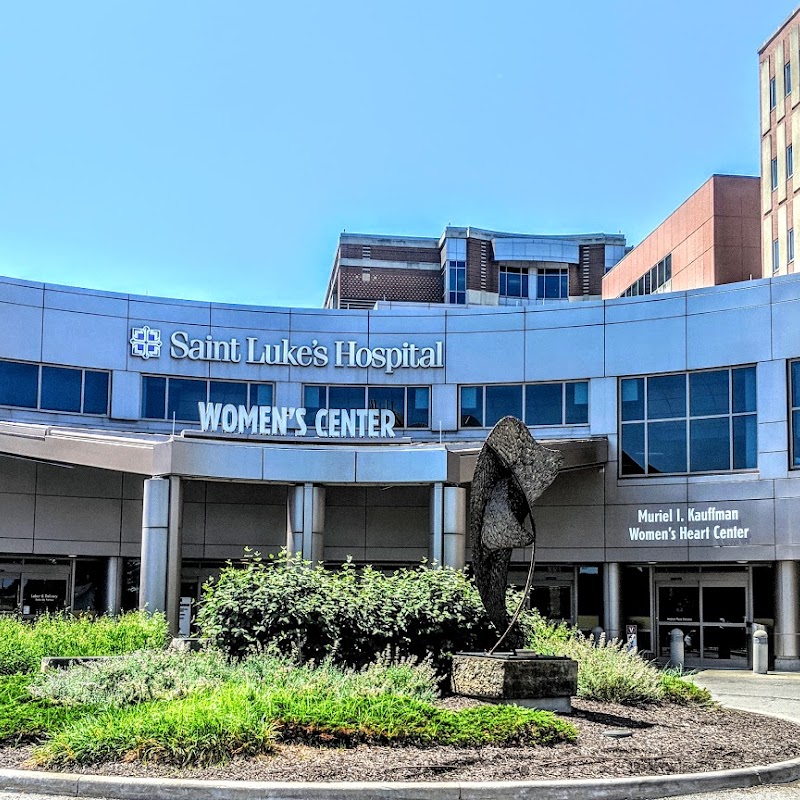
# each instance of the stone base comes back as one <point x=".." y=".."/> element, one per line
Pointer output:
<point x="521" y="678"/>
<point x="787" y="664"/>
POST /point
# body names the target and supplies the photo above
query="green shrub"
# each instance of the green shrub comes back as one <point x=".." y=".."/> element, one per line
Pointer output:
<point x="677" y="689"/>
<point x="348" y="615"/>
<point x="24" y="644"/>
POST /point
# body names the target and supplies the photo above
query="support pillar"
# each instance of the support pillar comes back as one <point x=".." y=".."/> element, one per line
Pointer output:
<point x="612" y="601"/>
<point x="305" y="526"/>
<point x="113" y="586"/>
<point x="787" y="616"/>
<point x="160" y="575"/>
<point x="448" y="527"/>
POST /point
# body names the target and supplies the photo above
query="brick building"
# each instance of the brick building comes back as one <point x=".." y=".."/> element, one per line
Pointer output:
<point x="470" y="266"/>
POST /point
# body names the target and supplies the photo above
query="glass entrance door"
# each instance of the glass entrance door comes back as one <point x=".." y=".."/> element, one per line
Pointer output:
<point x="34" y="590"/>
<point x="712" y="612"/>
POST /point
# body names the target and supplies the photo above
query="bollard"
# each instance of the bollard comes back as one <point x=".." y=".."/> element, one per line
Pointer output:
<point x="597" y="633"/>
<point x="760" y="652"/>
<point x="676" y="648"/>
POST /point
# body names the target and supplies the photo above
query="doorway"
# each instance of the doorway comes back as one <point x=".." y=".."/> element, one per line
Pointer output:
<point x="712" y="609"/>
<point x="31" y="590"/>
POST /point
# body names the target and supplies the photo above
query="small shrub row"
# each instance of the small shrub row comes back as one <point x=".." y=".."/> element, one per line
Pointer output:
<point x="349" y="615"/>
<point x="24" y="644"/>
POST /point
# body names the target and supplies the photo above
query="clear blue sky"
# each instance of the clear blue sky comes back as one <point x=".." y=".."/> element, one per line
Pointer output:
<point x="215" y="150"/>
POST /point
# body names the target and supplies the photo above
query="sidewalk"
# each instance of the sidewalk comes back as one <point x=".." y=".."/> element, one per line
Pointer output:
<point x="776" y="694"/>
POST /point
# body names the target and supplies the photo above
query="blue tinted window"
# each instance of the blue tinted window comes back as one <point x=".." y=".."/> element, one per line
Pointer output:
<point x="666" y="396"/>
<point x="260" y="394"/>
<point x="419" y="407"/>
<point x="744" y="389"/>
<point x="472" y="406"/>
<point x="502" y="401"/>
<point x="632" y="391"/>
<point x="577" y="403"/>
<point x="710" y="444"/>
<point x="666" y="446"/>
<point x="745" y="439"/>
<point x="796" y="431"/>
<point x="314" y="398"/>
<point x="543" y="404"/>
<point x="391" y="397"/>
<point x="709" y="393"/>
<point x="19" y="384"/>
<point x="61" y="389"/>
<point x="633" y="449"/>
<point x="184" y="395"/>
<point x="228" y="392"/>
<point x="154" y="397"/>
<point x="349" y="397"/>
<point x="95" y="392"/>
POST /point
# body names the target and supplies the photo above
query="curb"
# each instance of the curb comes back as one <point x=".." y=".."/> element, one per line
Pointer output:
<point x="653" y="786"/>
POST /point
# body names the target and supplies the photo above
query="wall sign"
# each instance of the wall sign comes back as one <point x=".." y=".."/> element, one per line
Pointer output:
<point x="713" y="525"/>
<point x="146" y="343"/>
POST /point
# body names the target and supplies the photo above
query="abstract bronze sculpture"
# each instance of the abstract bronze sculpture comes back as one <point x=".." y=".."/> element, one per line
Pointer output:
<point x="513" y="470"/>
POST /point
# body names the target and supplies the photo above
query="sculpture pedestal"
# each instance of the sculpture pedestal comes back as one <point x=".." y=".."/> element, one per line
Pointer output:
<point x="522" y="678"/>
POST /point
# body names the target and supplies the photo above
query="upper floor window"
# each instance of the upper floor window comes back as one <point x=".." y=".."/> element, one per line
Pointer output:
<point x="177" y="398"/>
<point x="513" y="282"/>
<point x="794" y="392"/>
<point x="790" y="245"/>
<point x="773" y="93"/>
<point x="789" y="161"/>
<point x="774" y="174"/>
<point x="50" y="388"/>
<point x="455" y="271"/>
<point x="776" y="252"/>
<point x="653" y="280"/>
<point x="562" y="403"/>
<point x="552" y="283"/>
<point x="411" y="404"/>
<point x="787" y="76"/>
<point x="688" y="422"/>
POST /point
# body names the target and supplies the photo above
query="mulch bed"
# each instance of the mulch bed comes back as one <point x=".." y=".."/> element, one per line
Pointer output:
<point x="665" y="740"/>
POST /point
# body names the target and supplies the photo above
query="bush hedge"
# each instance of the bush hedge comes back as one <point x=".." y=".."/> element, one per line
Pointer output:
<point x="349" y="615"/>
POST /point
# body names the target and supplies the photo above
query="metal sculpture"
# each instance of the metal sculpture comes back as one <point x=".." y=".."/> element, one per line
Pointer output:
<point x="512" y="471"/>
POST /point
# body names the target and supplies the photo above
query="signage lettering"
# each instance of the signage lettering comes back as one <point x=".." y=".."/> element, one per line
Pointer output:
<point x="683" y="530"/>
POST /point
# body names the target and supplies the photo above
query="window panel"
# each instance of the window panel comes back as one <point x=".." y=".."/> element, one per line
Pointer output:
<point x="710" y="444"/>
<point x="577" y="403"/>
<point x="666" y="396"/>
<point x="745" y="439"/>
<point x="796" y="438"/>
<point x="228" y="392"/>
<point x="543" y="404"/>
<point x="666" y="447"/>
<point x="632" y="392"/>
<point x="709" y="393"/>
<point x="633" y="460"/>
<point x="472" y="406"/>
<point x="95" y="392"/>
<point x="390" y="397"/>
<point x="348" y="397"/>
<point x="314" y="398"/>
<point x="61" y="389"/>
<point x="261" y="394"/>
<point x="744" y="389"/>
<point x="502" y="401"/>
<point x="182" y="398"/>
<point x="419" y="407"/>
<point x="19" y="384"/>
<point x="154" y="397"/>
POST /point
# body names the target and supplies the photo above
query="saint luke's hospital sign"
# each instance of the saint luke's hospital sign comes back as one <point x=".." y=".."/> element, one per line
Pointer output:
<point x="146" y="343"/>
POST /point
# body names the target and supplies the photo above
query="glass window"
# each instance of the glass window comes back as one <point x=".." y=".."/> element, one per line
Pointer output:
<point x="773" y="94"/>
<point x="745" y="438"/>
<point x="95" y="392"/>
<point x="775" y="255"/>
<point x="183" y="396"/>
<point x="632" y="393"/>
<point x="261" y="394"/>
<point x="154" y="397"/>
<point x="513" y="282"/>
<point x="790" y="245"/>
<point x="391" y="397"/>
<point x="576" y="408"/>
<point x="633" y="459"/>
<point x="502" y="401"/>
<point x="789" y="161"/>
<point x="19" y="384"/>
<point x="544" y="404"/>
<point x="552" y="283"/>
<point x="709" y="393"/>
<point x="796" y="438"/>
<point x="314" y="398"/>
<point x="787" y="76"/>
<point x="228" y="392"/>
<point x="710" y="444"/>
<point x="774" y="173"/>
<point x="472" y="406"/>
<point x="666" y="447"/>
<point x="61" y="389"/>
<point x="418" y="411"/>
<point x="744" y="389"/>
<point x="666" y="396"/>
<point x="348" y="397"/>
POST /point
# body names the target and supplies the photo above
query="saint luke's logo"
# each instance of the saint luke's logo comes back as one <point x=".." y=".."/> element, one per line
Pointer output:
<point x="145" y="342"/>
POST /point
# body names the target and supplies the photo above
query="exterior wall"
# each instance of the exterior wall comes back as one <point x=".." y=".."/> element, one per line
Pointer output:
<point x="379" y="283"/>
<point x="713" y="237"/>
<point x="780" y="127"/>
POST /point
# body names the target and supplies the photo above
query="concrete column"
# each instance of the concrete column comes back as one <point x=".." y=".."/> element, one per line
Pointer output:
<point x="454" y="527"/>
<point x="612" y="606"/>
<point x="113" y="585"/>
<point x="155" y="533"/>
<point x="305" y="521"/>
<point x="174" y="553"/>
<point x="787" y="616"/>
<point x="436" y="542"/>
